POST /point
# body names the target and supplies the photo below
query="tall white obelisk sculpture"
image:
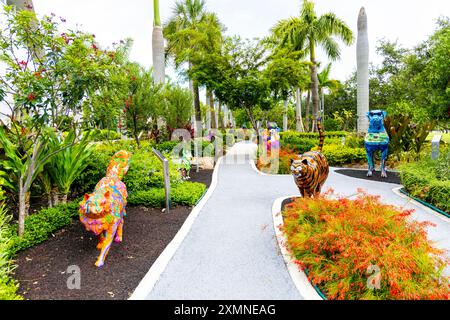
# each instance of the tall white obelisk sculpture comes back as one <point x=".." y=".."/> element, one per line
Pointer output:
<point x="362" y="56"/>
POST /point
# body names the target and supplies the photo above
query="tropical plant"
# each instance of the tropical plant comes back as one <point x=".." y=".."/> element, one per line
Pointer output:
<point x="178" y="108"/>
<point x="326" y="83"/>
<point x="24" y="167"/>
<point x="38" y="89"/>
<point x="286" y="74"/>
<point x="191" y="30"/>
<point x="306" y="32"/>
<point x="143" y="102"/>
<point x="66" y="165"/>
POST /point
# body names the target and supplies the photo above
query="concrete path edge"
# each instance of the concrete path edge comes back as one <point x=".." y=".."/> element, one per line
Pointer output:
<point x="299" y="278"/>
<point x="151" y="278"/>
<point x="418" y="204"/>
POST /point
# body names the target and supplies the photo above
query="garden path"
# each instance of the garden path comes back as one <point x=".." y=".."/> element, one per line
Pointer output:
<point x="231" y="251"/>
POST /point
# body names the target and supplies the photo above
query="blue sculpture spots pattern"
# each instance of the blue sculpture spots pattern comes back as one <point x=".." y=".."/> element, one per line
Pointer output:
<point x="377" y="139"/>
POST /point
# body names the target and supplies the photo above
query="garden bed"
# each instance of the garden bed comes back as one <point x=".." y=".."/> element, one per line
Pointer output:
<point x="42" y="270"/>
<point x="341" y="243"/>
<point x="393" y="177"/>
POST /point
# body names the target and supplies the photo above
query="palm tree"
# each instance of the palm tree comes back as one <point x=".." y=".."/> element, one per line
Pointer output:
<point x="308" y="31"/>
<point x="189" y="31"/>
<point x="326" y="83"/>
<point x="158" y="46"/>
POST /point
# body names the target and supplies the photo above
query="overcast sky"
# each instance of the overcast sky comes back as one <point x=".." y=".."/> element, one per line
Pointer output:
<point x="409" y="22"/>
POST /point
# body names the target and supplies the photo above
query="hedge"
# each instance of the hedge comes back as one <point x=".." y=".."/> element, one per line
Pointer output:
<point x="187" y="194"/>
<point x="339" y="155"/>
<point x="312" y="135"/>
<point x="38" y="227"/>
<point x="422" y="180"/>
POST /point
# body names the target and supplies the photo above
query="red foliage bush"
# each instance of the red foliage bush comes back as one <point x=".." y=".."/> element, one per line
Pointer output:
<point x="337" y="240"/>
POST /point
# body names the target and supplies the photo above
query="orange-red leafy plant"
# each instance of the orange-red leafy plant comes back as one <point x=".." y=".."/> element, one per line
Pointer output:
<point x="266" y="162"/>
<point x="337" y="240"/>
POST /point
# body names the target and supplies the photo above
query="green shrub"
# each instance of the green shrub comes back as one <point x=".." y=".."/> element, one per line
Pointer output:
<point x="8" y="286"/>
<point x="331" y="125"/>
<point x="38" y="227"/>
<point x="146" y="172"/>
<point x="353" y="140"/>
<point x="339" y="155"/>
<point x="104" y="134"/>
<point x="8" y="290"/>
<point x="428" y="180"/>
<point x="186" y="193"/>
<point x="145" y="169"/>
<point x="304" y="142"/>
<point x="167" y="146"/>
<point x="311" y="135"/>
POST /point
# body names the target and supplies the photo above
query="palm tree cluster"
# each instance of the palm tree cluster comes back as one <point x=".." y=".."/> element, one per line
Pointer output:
<point x="307" y="32"/>
<point x="194" y="34"/>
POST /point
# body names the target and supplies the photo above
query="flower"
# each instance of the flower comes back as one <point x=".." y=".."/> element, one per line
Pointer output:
<point x="31" y="97"/>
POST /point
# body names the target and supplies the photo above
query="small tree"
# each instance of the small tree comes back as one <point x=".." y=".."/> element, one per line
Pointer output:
<point x="48" y="74"/>
<point x="143" y="101"/>
<point x="177" y="107"/>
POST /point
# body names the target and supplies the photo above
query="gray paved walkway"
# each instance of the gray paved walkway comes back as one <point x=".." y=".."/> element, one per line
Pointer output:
<point x="231" y="251"/>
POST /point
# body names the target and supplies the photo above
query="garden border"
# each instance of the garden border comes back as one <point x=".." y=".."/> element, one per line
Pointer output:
<point x="421" y="204"/>
<point x="152" y="276"/>
<point x="301" y="282"/>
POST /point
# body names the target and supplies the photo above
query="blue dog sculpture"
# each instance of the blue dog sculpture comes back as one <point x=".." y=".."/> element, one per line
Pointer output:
<point x="377" y="139"/>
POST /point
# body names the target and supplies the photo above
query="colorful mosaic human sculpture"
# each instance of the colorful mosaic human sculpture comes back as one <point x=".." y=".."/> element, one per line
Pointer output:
<point x="103" y="211"/>
<point x="185" y="164"/>
<point x="271" y="137"/>
<point x="377" y="139"/>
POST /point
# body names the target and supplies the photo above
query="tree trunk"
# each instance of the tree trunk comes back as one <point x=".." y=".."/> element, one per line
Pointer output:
<point x="64" y="198"/>
<point x="49" y="200"/>
<point x="55" y="196"/>
<point x="362" y="55"/>
<point x="213" y="111"/>
<point x="208" y="111"/>
<point x="314" y="84"/>
<point x="299" y="120"/>
<point x="198" y="112"/>
<point x="252" y="119"/>
<point x="314" y="95"/>
<point x="220" y="115"/>
<point x="22" y="207"/>
<point x="158" y="46"/>
<point x="323" y="103"/>
<point x="285" y="115"/>
<point x="308" y="110"/>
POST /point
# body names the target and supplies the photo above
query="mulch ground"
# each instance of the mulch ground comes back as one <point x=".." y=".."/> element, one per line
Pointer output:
<point x="393" y="177"/>
<point x="43" y="270"/>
